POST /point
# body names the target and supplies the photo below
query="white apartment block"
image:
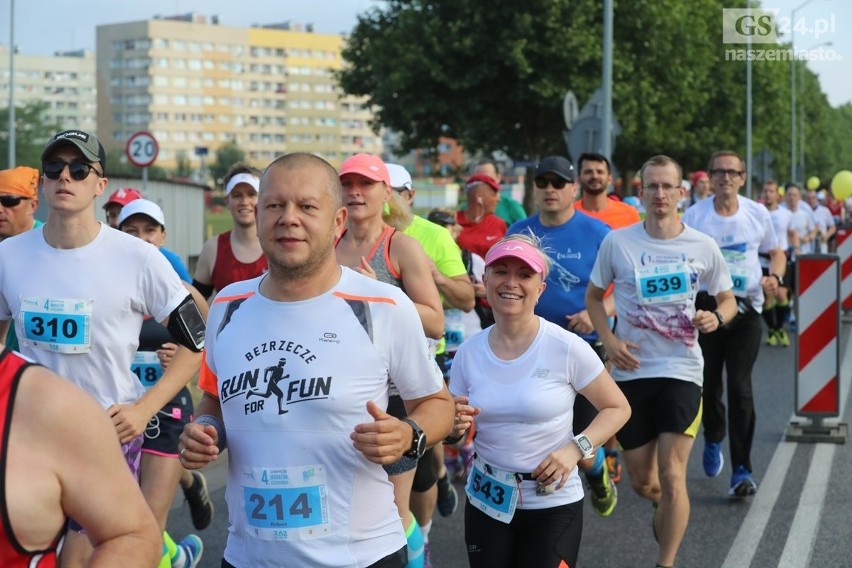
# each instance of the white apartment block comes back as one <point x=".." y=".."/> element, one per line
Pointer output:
<point x="65" y="81"/>
<point x="195" y="84"/>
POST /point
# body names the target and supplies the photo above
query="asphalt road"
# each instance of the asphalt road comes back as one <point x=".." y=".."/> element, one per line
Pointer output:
<point x="799" y="518"/>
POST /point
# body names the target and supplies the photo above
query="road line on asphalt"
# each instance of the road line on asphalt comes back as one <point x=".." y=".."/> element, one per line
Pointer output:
<point x="806" y="519"/>
<point x="798" y="550"/>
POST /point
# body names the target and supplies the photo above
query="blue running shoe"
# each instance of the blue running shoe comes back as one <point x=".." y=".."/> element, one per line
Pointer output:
<point x="713" y="458"/>
<point x="742" y="484"/>
<point x="193" y="548"/>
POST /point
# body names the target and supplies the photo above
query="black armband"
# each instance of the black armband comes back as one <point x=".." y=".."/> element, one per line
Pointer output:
<point x="453" y="439"/>
<point x="222" y="439"/>
<point x="187" y="325"/>
<point x="205" y="289"/>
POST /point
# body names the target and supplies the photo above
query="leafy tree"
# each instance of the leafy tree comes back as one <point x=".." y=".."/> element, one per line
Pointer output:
<point x="492" y="74"/>
<point x="227" y="155"/>
<point x="183" y="167"/>
<point x="32" y="131"/>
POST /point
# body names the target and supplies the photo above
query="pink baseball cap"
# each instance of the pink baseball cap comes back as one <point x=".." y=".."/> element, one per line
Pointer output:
<point x="123" y="196"/>
<point x="368" y="165"/>
<point x="519" y="249"/>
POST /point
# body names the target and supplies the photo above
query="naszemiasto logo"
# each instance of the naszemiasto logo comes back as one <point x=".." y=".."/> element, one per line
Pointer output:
<point x="258" y="385"/>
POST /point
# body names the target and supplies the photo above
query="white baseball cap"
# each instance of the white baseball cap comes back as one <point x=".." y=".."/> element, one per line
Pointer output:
<point x="399" y="177"/>
<point x="142" y="207"/>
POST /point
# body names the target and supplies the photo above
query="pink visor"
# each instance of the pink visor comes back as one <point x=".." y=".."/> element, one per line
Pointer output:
<point x="517" y="249"/>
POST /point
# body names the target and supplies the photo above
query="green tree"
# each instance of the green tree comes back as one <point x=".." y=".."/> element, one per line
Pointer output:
<point x="32" y="131"/>
<point x="183" y="167"/>
<point x="227" y="155"/>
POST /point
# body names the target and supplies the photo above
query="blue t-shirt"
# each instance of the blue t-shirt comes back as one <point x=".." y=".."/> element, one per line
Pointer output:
<point x="572" y="248"/>
<point x="177" y="264"/>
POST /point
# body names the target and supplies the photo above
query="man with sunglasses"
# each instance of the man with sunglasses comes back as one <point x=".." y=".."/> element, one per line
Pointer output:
<point x="572" y="240"/>
<point x="742" y="228"/>
<point x="77" y="292"/>
<point x="18" y="202"/>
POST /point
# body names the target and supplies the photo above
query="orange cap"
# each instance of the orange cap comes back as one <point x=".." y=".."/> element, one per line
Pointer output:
<point x="21" y="181"/>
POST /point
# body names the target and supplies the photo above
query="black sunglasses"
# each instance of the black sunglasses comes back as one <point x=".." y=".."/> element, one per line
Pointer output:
<point x="78" y="170"/>
<point x="557" y="183"/>
<point x="10" y="201"/>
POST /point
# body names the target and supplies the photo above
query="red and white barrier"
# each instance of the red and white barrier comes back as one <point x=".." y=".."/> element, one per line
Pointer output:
<point x="844" y="251"/>
<point x="817" y="346"/>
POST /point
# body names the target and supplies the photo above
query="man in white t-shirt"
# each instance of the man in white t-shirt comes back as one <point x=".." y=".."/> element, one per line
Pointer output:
<point x="803" y="221"/>
<point x="305" y="481"/>
<point x="78" y="291"/>
<point x="776" y="309"/>
<point x="824" y="221"/>
<point x="743" y="229"/>
<point x="656" y="267"/>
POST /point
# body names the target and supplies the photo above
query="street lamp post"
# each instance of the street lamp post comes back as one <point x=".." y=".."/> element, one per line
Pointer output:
<point x="802" y="109"/>
<point x="11" y="149"/>
<point x="793" y="90"/>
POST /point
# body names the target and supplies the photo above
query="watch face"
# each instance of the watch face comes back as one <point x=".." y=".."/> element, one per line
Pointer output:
<point x="585" y="444"/>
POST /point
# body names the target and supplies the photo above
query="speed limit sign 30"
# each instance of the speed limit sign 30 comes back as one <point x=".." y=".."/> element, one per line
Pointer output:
<point x="142" y="149"/>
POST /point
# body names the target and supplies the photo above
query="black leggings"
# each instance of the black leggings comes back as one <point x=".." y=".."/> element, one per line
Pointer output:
<point x="396" y="560"/>
<point x="535" y="537"/>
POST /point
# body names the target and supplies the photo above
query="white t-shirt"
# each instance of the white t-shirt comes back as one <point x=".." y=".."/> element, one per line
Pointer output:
<point x="741" y="237"/>
<point x="293" y="379"/>
<point x="781" y="220"/>
<point x="803" y="224"/>
<point x="527" y="403"/>
<point x="656" y="281"/>
<point x="79" y="311"/>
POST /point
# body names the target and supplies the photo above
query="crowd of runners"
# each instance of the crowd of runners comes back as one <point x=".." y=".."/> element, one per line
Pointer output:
<point x="362" y="363"/>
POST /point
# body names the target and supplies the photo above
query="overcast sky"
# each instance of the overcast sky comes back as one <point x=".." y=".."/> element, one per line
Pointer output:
<point x="45" y="26"/>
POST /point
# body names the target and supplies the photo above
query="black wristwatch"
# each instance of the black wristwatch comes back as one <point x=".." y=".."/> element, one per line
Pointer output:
<point x="719" y="317"/>
<point x="418" y="441"/>
<point x="779" y="278"/>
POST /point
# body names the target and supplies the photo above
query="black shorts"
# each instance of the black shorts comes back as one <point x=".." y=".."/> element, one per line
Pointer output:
<point x="584" y="411"/>
<point x="164" y="428"/>
<point x="534" y="537"/>
<point x="659" y="405"/>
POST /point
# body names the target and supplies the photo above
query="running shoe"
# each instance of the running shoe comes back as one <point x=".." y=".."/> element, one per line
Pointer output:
<point x="427" y="560"/>
<point x="604" y="493"/>
<point x="713" y="458"/>
<point x="783" y="338"/>
<point x="448" y="499"/>
<point x="613" y="464"/>
<point x="742" y="483"/>
<point x="193" y="548"/>
<point x="198" y="499"/>
<point x="772" y="337"/>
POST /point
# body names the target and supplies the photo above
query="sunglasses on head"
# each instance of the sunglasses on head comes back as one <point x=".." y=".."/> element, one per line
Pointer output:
<point x="557" y="183"/>
<point x="10" y="201"/>
<point x="78" y="170"/>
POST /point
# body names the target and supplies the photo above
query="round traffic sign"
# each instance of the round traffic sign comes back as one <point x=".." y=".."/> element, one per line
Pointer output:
<point x="142" y="149"/>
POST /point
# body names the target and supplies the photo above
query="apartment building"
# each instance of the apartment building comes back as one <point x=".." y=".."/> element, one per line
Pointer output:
<point x="195" y="84"/>
<point x="65" y="81"/>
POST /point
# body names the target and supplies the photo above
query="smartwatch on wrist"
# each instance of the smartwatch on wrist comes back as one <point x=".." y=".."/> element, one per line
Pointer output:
<point x="585" y="446"/>
<point x="719" y="317"/>
<point x="418" y="441"/>
<point x="779" y="278"/>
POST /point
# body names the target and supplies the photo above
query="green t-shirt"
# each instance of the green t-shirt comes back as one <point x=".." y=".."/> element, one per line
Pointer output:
<point x="440" y="247"/>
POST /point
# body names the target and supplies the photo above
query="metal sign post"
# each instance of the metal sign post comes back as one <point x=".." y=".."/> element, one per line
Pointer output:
<point x="817" y="350"/>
